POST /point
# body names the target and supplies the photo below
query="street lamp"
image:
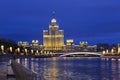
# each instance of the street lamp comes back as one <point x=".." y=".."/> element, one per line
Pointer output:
<point x="32" y="51"/>
<point x="18" y="50"/>
<point x="37" y="51"/>
<point x="11" y="49"/>
<point x="112" y="50"/>
<point x="2" y="48"/>
<point x="103" y="52"/>
<point x="25" y="50"/>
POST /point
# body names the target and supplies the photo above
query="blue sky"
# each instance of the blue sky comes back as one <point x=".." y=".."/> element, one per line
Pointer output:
<point x="94" y="21"/>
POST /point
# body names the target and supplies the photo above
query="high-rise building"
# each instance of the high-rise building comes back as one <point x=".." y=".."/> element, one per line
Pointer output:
<point x="54" y="38"/>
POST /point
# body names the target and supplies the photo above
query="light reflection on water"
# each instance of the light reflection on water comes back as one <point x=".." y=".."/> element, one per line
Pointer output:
<point x="71" y="68"/>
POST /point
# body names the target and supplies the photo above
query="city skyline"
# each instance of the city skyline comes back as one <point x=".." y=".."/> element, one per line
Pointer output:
<point x="94" y="22"/>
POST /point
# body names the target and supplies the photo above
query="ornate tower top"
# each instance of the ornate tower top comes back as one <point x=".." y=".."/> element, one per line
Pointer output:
<point x="53" y="25"/>
<point x="53" y="20"/>
<point x="53" y="14"/>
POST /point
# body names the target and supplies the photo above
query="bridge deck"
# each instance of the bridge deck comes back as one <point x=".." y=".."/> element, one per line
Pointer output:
<point x="79" y="53"/>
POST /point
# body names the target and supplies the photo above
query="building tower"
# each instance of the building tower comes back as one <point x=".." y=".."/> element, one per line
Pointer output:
<point x="54" y="38"/>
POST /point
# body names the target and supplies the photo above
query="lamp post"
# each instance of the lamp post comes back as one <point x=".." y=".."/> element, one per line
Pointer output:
<point x="18" y="50"/>
<point x="103" y="52"/>
<point x="32" y="51"/>
<point x="37" y="52"/>
<point x="11" y="49"/>
<point x="2" y="48"/>
<point x="107" y="51"/>
<point x="112" y="51"/>
<point x="26" y="51"/>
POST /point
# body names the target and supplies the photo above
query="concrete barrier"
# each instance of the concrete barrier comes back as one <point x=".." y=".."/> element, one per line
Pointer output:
<point x="23" y="73"/>
<point x="10" y="73"/>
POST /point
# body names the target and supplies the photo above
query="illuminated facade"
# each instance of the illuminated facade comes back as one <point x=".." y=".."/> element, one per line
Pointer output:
<point x="24" y="44"/>
<point x="54" y="38"/>
<point x="35" y="43"/>
<point x="70" y="42"/>
<point x="70" y="45"/>
<point x="83" y="44"/>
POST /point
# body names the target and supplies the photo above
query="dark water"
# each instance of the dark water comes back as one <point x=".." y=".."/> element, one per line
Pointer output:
<point x="74" y="68"/>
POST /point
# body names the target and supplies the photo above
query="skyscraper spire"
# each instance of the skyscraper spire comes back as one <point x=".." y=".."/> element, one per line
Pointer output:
<point x="53" y="21"/>
<point x="53" y="14"/>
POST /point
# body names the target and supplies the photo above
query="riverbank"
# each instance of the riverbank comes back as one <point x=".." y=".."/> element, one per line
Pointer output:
<point x="3" y="69"/>
<point x="10" y="71"/>
<point x="114" y="57"/>
<point x="71" y="54"/>
<point x="6" y="72"/>
<point x="23" y="73"/>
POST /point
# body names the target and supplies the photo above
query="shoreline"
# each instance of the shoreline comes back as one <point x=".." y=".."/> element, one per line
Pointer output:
<point x="13" y="56"/>
<point x="40" y="56"/>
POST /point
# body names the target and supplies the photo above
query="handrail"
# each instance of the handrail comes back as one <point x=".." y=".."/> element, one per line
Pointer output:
<point x="23" y="73"/>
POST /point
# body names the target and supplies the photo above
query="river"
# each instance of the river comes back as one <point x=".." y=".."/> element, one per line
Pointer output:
<point x="74" y="68"/>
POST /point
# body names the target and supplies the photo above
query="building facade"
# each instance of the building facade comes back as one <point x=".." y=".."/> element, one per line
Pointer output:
<point x="23" y="44"/>
<point x="54" y="38"/>
<point x="35" y="43"/>
<point x="70" y="45"/>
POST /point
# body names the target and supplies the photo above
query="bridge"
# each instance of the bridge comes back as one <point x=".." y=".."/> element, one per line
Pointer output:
<point x="81" y="53"/>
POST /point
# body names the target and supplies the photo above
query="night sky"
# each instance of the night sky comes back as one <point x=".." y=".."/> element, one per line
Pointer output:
<point x="95" y="21"/>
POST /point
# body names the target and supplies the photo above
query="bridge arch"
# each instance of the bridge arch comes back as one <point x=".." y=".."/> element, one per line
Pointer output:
<point x="80" y="53"/>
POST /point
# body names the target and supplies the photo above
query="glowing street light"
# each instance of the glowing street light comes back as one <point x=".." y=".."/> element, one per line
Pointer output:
<point x="112" y="50"/>
<point x="2" y="48"/>
<point x="32" y="51"/>
<point x="18" y="50"/>
<point x="11" y="49"/>
<point x="107" y="51"/>
<point x="103" y="52"/>
<point x="25" y="50"/>
<point x="37" y="52"/>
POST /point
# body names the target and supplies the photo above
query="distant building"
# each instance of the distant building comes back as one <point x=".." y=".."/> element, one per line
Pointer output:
<point x="70" y="45"/>
<point x="83" y="44"/>
<point x="70" y="42"/>
<point x="84" y="47"/>
<point x="92" y="48"/>
<point x="23" y="44"/>
<point x="54" y="38"/>
<point x="35" y="43"/>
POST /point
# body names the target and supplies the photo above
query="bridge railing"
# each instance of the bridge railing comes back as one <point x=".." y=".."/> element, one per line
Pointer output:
<point x="23" y="73"/>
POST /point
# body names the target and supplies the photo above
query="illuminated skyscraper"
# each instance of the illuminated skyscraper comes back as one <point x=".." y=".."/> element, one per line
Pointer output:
<point x="54" y="38"/>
